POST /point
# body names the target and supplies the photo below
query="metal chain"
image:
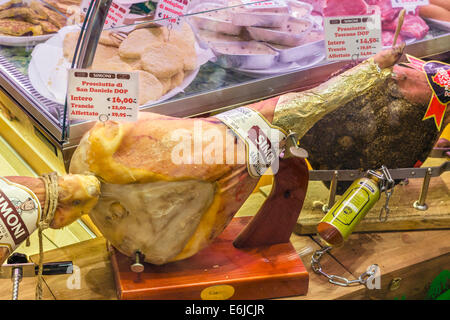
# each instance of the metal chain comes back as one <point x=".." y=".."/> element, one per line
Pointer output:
<point x="337" y="280"/>
<point x="387" y="186"/>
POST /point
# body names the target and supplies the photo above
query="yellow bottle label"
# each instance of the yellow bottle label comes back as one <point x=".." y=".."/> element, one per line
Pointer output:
<point x="353" y="206"/>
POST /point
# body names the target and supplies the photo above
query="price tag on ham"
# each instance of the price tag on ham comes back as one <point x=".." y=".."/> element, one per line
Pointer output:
<point x="262" y="140"/>
<point x="352" y="37"/>
<point x="103" y="95"/>
<point x="169" y="13"/>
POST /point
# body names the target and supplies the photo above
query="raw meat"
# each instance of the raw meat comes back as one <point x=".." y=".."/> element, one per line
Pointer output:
<point x="413" y="27"/>
<point x="387" y="12"/>
<point x="388" y="38"/>
<point x="318" y="5"/>
<point x="344" y="8"/>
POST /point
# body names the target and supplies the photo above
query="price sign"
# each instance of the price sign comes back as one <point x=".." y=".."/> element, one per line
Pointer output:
<point x="103" y="95"/>
<point x="264" y="4"/>
<point x="171" y="12"/>
<point x="84" y="6"/>
<point x="409" y="3"/>
<point x="352" y="37"/>
<point x="116" y="14"/>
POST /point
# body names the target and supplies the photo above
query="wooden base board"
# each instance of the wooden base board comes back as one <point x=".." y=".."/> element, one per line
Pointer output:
<point x="218" y="272"/>
<point x="403" y="216"/>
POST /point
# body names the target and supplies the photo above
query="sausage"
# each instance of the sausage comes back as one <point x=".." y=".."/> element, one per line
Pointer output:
<point x="441" y="3"/>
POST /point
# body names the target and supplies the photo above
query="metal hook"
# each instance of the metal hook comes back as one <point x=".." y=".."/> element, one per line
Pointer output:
<point x="387" y="187"/>
<point x="291" y="148"/>
<point x="103" y="118"/>
<point x="169" y="28"/>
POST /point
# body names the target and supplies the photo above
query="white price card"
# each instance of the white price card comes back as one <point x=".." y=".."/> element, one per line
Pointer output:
<point x="103" y="95"/>
<point x="170" y="12"/>
<point x="116" y="13"/>
<point x="409" y="3"/>
<point x="352" y="37"/>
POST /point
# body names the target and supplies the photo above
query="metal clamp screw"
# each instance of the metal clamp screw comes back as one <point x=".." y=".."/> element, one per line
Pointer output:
<point x="137" y="266"/>
<point x="420" y="204"/>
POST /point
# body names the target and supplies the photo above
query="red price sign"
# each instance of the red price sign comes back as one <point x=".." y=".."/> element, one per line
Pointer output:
<point x="352" y="37"/>
<point x="119" y="115"/>
<point x="264" y="4"/>
<point x="123" y="100"/>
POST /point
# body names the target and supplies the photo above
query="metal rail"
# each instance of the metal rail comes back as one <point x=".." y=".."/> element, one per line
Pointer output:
<point x="396" y="174"/>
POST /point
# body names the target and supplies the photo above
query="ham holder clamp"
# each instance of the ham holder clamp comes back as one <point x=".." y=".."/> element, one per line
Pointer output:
<point x="251" y="259"/>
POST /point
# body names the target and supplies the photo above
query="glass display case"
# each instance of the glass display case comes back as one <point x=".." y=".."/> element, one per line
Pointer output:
<point x="214" y="55"/>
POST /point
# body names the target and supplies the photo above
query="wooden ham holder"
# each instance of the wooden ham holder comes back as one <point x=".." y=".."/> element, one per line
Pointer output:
<point x="249" y="260"/>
